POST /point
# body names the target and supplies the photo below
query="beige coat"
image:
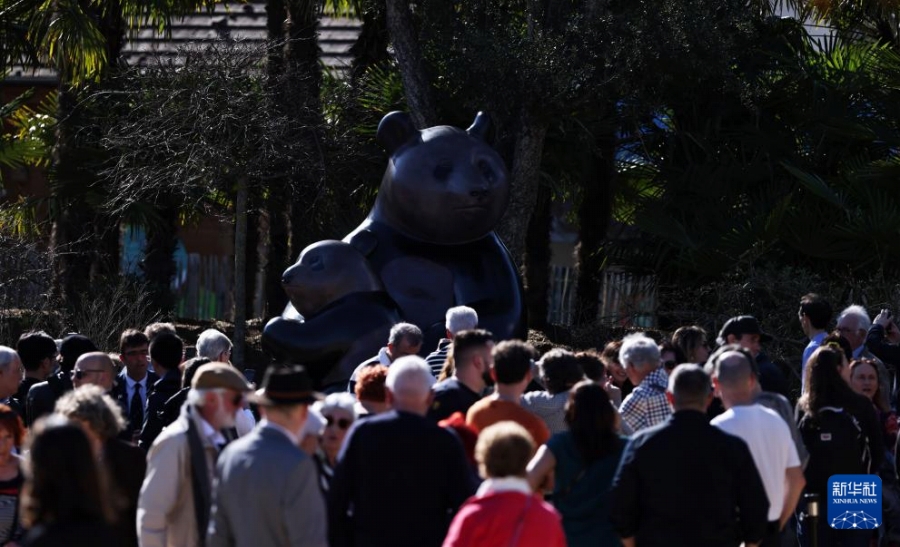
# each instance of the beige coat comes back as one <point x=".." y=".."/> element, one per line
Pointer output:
<point x="165" y="516"/>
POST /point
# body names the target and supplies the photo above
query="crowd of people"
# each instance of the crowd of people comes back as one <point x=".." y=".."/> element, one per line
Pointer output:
<point x="481" y="443"/>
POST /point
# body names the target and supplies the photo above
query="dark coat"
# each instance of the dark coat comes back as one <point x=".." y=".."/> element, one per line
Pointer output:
<point x="120" y="394"/>
<point x="127" y="465"/>
<point x="421" y="466"/>
<point x="42" y="397"/>
<point x="163" y="389"/>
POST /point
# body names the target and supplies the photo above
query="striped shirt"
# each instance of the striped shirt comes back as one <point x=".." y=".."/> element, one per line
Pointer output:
<point x="437" y="358"/>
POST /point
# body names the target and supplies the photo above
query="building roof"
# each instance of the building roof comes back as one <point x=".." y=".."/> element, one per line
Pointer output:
<point x="235" y="20"/>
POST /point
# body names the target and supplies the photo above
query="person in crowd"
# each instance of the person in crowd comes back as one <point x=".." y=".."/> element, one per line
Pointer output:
<point x="457" y="319"/>
<point x="559" y="371"/>
<point x="64" y="498"/>
<point x="215" y="346"/>
<point x="153" y="330"/>
<point x="745" y="331"/>
<point x="617" y="375"/>
<point x="683" y="454"/>
<point x="174" y="503"/>
<point x="582" y="462"/>
<point x="313" y="429"/>
<point x="42" y="396"/>
<point x="172" y="407"/>
<point x="94" y="368"/>
<point x="371" y="398"/>
<point x="670" y="356"/>
<point x="38" y="353"/>
<point x="267" y="491"/>
<point x="468" y="436"/>
<point x="883" y="344"/>
<point x="854" y="324"/>
<point x="864" y="380"/>
<point x="11" y="373"/>
<point x="814" y="315"/>
<point x="12" y="433"/>
<point x="449" y="366"/>
<point x="504" y="511"/>
<point x="473" y="359"/>
<point x="101" y="417"/>
<point x="404" y="339"/>
<point x="647" y="405"/>
<point x="512" y="373"/>
<point x="134" y="381"/>
<point x="841" y="431"/>
<point x="339" y="413"/>
<point x="403" y="453"/>
<point x="693" y="342"/>
<point x="595" y="370"/>
<point x="166" y="350"/>
<point x="773" y="401"/>
<point x="767" y="436"/>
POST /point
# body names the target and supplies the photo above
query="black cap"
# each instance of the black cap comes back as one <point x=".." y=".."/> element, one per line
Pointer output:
<point x="286" y="386"/>
<point x="74" y="346"/>
<point x="739" y="326"/>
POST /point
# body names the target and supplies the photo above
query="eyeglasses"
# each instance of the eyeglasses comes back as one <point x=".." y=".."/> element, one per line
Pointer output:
<point x="342" y="423"/>
<point x="133" y="352"/>
<point x="78" y="373"/>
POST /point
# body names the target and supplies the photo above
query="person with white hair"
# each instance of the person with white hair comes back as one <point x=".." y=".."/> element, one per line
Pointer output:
<point x="11" y="372"/>
<point x="403" y="475"/>
<point x="214" y="345"/>
<point x="404" y="339"/>
<point x="646" y="405"/>
<point x="176" y="497"/>
<point x="339" y="412"/>
<point x="458" y="319"/>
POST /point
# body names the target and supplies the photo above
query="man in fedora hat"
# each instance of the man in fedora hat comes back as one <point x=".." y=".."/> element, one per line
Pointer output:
<point x="267" y="493"/>
<point x="175" y="499"/>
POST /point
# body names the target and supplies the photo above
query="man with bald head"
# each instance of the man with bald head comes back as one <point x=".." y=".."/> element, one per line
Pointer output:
<point x="766" y="435"/>
<point x="686" y="454"/>
<point x="402" y="475"/>
<point x="96" y="368"/>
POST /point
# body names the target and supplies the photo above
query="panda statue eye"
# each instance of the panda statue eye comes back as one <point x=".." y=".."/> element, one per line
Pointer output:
<point x="316" y="264"/>
<point x="487" y="171"/>
<point x="442" y="170"/>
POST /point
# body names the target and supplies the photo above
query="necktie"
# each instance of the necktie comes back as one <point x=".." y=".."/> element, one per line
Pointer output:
<point x="136" y="412"/>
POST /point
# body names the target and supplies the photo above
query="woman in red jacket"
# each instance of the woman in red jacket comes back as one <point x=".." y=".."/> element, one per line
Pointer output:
<point x="505" y="512"/>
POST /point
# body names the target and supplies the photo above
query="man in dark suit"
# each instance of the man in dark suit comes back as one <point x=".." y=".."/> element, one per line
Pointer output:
<point x="686" y="454"/>
<point x="401" y="474"/>
<point x="166" y="351"/>
<point x="278" y="502"/>
<point x="133" y="382"/>
<point x="42" y="396"/>
<point x="38" y="352"/>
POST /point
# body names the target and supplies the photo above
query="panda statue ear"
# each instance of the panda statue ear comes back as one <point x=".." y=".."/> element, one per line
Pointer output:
<point x="395" y="130"/>
<point x="480" y="126"/>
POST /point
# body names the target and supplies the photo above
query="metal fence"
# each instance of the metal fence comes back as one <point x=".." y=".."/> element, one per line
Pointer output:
<point x="626" y="299"/>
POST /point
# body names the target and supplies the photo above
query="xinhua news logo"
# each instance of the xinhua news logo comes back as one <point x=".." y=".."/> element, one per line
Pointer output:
<point x="854" y="502"/>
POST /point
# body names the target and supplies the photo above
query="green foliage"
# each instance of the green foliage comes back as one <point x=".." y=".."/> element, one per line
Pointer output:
<point x="30" y="135"/>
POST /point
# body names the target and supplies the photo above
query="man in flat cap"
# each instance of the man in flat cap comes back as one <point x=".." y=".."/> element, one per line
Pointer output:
<point x="173" y="508"/>
<point x="267" y="493"/>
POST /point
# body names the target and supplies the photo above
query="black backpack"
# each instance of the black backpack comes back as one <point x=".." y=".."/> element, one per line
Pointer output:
<point x="836" y="445"/>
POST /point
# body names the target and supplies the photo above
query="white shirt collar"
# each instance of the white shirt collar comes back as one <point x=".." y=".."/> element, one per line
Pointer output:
<point x="504" y="484"/>
<point x="290" y="435"/>
<point x="130" y="382"/>
<point x="210" y="433"/>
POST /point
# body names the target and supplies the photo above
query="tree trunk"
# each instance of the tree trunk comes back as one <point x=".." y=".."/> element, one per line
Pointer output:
<point x="537" y="260"/>
<point x="524" y="181"/>
<point x="251" y="257"/>
<point x="240" y="275"/>
<point x="72" y="231"/>
<point x="594" y="215"/>
<point x="278" y="258"/>
<point x="371" y="45"/>
<point x="414" y="73"/>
